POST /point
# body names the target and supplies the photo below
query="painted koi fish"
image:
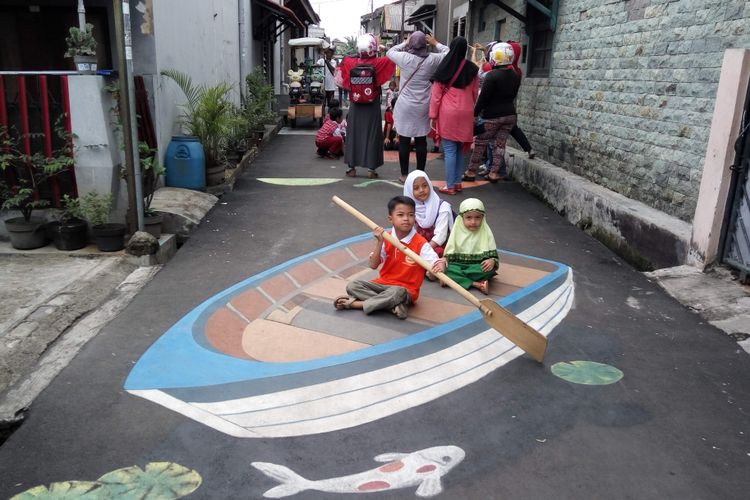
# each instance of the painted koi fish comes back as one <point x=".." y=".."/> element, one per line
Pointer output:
<point x="402" y="470"/>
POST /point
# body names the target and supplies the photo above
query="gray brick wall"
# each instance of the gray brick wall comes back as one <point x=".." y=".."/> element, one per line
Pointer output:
<point x="630" y="96"/>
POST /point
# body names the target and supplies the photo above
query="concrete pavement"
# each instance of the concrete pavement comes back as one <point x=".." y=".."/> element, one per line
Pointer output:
<point x="676" y="425"/>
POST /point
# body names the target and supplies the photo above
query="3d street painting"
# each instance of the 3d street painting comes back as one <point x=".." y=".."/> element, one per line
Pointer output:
<point x="159" y="480"/>
<point x="423" y="468"/>
<point x="271" y="357"/>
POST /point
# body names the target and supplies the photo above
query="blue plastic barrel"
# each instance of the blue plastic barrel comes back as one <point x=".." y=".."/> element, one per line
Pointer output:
<point x="185" y="163"/>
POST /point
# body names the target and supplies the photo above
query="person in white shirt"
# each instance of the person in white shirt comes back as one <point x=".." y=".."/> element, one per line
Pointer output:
<point x="329" y="68"/>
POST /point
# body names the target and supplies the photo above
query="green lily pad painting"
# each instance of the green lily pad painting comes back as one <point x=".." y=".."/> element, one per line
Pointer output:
<point x="378" y="181"/>
<point x="159" y="481"/>
<point x="63" y="490"/>
<point x="298" y="181"/>
<point x="587" y="372"/>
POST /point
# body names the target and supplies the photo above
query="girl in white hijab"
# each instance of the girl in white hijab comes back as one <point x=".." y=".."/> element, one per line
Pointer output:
<point x="434" y="216"/>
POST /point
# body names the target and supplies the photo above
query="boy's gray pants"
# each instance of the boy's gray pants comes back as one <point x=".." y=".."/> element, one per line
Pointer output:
<point x="375" y="296"/>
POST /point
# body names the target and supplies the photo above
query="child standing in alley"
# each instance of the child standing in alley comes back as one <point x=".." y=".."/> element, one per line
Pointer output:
<point x="400" y="278"/>
<point x="330" y="143"/>
<point x="471" y="251"/>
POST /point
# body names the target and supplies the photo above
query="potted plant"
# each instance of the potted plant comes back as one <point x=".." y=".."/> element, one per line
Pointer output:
<point x="151" y="172"/>
<point x="257" y="103"/>
<point x="109" y="237"/>
<point x="70" y="231"/>
<point x="209" y="115"/>
<point x="30" y="171"/>
<point x="82" y="48"/>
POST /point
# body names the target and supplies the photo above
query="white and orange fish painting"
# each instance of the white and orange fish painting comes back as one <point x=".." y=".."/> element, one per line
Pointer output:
<point x="423" y="468"/>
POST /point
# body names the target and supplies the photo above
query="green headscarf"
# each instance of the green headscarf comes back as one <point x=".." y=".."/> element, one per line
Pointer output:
<point x="470" y="246"/>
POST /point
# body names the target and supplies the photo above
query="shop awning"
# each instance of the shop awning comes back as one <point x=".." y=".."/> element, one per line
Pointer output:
<point x="283" y="14"/>
<point x="303" y="10"/>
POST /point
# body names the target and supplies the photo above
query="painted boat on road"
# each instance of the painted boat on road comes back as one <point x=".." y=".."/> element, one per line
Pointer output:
<point x="271" y="357"/>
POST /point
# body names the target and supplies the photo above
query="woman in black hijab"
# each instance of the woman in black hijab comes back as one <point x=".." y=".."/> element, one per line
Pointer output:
<point x="455" y="87"/>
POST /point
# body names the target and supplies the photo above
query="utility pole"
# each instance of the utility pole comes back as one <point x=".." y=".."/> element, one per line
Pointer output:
<point x="128" y="114"/>
<point x="403" y="11"/>
<point x="81" y="15"/>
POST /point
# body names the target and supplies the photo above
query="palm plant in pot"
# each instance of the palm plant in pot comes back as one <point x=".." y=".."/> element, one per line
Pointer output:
<point x="109" y="237"/>
<point x="70" y="231"/>
<point x="209" y="115"/>
<point x="256" y="109"/>
<point x="30" y="171"/>
<point x="82" y="48"/>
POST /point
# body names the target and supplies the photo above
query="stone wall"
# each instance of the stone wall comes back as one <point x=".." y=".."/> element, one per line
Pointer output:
<point x="630" y="96"/>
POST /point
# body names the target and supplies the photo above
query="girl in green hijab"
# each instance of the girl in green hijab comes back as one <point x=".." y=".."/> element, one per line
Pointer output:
<point x="471" y="251"/>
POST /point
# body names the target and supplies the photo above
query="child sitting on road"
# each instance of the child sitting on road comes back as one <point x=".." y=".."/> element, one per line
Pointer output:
<point x="329" y="144"/>
<point x="471" y="251"/>
<point x="433" y="215"/>
<point x="400" y="278"/>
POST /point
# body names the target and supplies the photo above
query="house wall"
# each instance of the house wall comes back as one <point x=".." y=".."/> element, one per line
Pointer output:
<point x="197" y="37"/>
<point x="630" y="96"/>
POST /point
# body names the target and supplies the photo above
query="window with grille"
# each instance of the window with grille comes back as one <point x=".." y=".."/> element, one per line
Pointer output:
<point x="540" y="42"/>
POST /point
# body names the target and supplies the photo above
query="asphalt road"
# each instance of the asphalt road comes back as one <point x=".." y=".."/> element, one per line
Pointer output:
<point x="677" y="425"/>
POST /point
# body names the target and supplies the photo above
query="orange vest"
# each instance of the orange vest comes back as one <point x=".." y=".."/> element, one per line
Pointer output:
<point x="400" y="270"/>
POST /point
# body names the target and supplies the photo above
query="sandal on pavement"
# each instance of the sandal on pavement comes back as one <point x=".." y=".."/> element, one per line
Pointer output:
<point x="447" y="190"/>
<point x="401" y="311"/>
<point x="343" y="302"/>
<point x="372" y="174"/>
<point x="352" y="172"/>
<point x="458" y="187"/>
<point x="468" y="178"/>
<point x="493" y="177"/>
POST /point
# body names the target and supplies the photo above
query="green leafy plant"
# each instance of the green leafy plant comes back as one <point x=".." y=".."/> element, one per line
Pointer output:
<point x="208" y="114"/>
<point x="80" y="42"/>
<point x="31" y="170"/>
<point x="348" y="48"/>
<point x="71" y="209"/>
<point x="151" y="172"/>
<point x="96" y="207"/>
<point x="257" y="101"/>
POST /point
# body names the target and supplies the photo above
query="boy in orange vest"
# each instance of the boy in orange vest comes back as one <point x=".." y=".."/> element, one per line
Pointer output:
<point x="400" y="278"/>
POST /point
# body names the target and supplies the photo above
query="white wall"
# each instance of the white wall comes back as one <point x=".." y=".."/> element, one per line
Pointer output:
<point x="97" y="155"/>
<point x="197" y="37"/>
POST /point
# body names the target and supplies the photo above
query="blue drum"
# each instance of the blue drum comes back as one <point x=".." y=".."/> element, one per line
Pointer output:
<point x="185" y="163"/>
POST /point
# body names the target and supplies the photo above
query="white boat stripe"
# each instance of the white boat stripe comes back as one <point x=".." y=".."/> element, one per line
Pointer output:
<point x="378" y="411"/>
<point x="375" y="395"/>
<point x="238" y="313"/>
<point x="371" y="385"/>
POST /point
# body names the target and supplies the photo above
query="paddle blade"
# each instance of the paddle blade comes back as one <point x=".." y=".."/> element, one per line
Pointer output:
<point x="515" y="330"/>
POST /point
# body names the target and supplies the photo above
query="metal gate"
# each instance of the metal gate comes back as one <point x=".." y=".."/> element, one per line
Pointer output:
<point x="737" y="239"/>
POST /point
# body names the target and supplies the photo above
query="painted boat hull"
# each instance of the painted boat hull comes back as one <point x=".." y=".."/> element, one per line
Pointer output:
<point x="186" y="372"/>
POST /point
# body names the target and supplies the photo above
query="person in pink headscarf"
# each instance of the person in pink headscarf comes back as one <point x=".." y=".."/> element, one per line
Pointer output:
<point x="364" y="141"/>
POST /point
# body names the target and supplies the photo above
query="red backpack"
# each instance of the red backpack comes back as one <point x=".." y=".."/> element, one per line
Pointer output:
<point x="363" y="84"/>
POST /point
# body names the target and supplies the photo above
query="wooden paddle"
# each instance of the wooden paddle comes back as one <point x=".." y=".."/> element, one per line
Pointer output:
<point x="499" y="318"/>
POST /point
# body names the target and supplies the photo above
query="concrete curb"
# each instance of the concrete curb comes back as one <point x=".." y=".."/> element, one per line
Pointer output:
<point x="66" y="344"/>
<point x="645" y="237"/>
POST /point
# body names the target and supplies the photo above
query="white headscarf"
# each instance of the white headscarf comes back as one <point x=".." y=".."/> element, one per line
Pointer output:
<point x="426" y="212"/>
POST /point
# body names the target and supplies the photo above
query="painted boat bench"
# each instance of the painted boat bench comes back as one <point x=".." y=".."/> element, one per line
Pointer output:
<point x="272" y="357"/>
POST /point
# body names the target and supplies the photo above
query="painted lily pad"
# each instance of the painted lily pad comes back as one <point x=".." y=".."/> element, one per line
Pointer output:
<point x="160" y="480"/>
<point x="378" y="181"/>
<point x="63" y="490"/>
<point x="587" y="372"/>
<point x="298" y="181"/>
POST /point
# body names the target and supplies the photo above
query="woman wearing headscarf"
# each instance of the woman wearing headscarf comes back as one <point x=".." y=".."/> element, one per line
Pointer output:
<point x="471" y="250"/>
<point x="411" y="115"/>
<point x="454" y="91"/>
<point x="496" y="105"/>
<point x="364" y="140"/>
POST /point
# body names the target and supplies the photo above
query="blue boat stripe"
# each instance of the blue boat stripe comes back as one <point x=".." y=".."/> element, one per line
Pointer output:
<point x="291" y="422"/>
<point x="497" y="339"/>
